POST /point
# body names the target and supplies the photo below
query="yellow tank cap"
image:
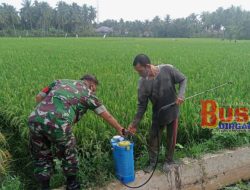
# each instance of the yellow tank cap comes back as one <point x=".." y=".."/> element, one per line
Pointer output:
<point x="124" y="143"/>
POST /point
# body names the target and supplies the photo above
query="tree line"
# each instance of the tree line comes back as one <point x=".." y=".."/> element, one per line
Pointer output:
<point x="40" y="19"/>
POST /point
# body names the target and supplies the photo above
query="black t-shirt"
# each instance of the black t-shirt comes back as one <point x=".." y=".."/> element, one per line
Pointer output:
<point x="160" y="91"/>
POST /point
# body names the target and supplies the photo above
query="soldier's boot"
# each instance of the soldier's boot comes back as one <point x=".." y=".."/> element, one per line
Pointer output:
<point x="72" y="183"/>
<point x="45" y="185"/>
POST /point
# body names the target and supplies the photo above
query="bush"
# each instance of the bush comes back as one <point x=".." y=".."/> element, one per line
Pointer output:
<point x="11" y="183"/>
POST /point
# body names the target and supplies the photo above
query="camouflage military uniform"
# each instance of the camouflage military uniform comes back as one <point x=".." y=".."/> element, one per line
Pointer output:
<point x="64" y="103"/>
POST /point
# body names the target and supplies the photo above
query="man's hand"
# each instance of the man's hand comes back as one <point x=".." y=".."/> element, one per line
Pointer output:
<point x="179" y="100"/>
<point x="132" y="129"/>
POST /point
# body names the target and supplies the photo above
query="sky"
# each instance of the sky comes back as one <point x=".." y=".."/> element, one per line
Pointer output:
<point x="147" y="9"/>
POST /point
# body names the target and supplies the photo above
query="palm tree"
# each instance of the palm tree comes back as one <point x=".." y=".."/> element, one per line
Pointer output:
<point x="10" y="16"/>
<point x="26" y="14"/>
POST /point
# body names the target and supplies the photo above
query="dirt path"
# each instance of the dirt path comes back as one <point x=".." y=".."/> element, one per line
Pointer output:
<point x="210" y="172"/>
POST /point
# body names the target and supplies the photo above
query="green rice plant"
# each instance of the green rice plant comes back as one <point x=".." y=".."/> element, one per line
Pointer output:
<point x="11" y="183"/>
<point x="4" y="156"/>
<point x="29" y="64"/>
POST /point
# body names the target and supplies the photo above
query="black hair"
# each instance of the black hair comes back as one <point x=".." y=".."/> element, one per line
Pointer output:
<point x="91" y="78"/>
<point x="141" y="59"/>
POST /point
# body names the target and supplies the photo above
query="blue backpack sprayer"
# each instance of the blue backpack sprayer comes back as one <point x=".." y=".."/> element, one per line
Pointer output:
<point x="123" y="149"/>
<point x="123" y="154"/>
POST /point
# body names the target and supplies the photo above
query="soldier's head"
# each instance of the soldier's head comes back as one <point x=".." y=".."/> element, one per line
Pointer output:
<point x="142" y="65"/>
<point x="91" y="82"/>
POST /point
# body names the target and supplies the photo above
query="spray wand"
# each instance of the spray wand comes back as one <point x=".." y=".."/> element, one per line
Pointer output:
<point x="127" y="133"/>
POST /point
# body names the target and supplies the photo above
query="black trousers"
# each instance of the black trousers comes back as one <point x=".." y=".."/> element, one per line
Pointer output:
<point x="157" y="129"/>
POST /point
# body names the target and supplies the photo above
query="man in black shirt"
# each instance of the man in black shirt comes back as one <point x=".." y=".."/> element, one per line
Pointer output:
<point x="157" y="84"/>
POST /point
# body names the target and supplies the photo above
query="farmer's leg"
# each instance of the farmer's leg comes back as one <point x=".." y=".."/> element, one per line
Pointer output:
<point x="171" y="140"/>
<point x="154" y="140"/>
<point x="155" y="135"/>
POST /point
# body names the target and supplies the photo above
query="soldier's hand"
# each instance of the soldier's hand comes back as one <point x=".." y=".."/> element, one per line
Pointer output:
<point x="179" y="100"/>
<point x="120" y="131"/>
<point x="132" y="129"/>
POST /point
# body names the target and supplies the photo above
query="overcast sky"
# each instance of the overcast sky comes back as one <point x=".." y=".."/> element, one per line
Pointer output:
<point x="147" y="9"/>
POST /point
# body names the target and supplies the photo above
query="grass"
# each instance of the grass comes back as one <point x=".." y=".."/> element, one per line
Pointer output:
<point x="29" y="64"/>
<point x="4" y="155"/>
<point x="11" y="183"/>
<point x="242" y="185"/>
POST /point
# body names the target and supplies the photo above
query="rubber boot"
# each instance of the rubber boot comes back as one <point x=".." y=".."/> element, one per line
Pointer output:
<point x="45" y="185"/>
<point x="72" y="183"/>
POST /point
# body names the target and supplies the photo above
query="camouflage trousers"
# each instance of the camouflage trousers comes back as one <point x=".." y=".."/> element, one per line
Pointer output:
<point x="45" y="137"/>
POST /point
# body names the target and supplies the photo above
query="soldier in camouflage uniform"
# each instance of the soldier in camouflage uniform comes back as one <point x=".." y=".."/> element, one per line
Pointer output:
<point x="60" y="105"/>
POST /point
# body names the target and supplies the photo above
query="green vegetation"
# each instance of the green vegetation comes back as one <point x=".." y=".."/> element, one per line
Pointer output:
<point x="27" y="65"/>
<point x="38" y="18"/>
<point x="239" y="186"/>
<point x="11" y="183"/>
<point x="4" y="155"/>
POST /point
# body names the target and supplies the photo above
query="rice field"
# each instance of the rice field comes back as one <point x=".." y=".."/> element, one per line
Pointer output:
<point x="29" y="64"/>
